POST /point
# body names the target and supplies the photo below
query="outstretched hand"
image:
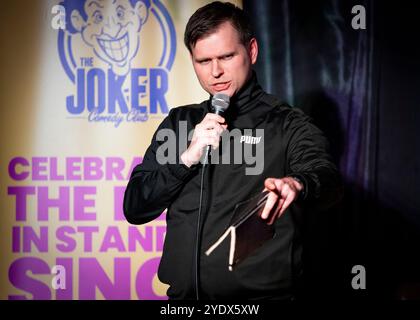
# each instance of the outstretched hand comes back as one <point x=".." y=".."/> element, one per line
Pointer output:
<point x="282" y="193"/>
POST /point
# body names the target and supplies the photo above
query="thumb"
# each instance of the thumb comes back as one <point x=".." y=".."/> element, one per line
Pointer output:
<point x="269" y="184"/>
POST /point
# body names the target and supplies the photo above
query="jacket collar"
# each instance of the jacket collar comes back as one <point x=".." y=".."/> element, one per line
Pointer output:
<point x="245" y="108"/>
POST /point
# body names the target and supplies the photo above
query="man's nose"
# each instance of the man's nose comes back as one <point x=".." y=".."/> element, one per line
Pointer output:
<point x="216" y="69"/>
<point x="110" y="24"/>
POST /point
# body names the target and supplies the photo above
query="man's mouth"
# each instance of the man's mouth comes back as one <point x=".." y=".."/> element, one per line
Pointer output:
<point x="115" y="49"/>
<point x="221" y="86"/>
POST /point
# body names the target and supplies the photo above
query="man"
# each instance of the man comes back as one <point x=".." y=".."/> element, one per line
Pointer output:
<point x="297" y="170"/>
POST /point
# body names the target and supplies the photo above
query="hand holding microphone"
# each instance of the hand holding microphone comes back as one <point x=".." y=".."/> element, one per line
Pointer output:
<point x="207" y="133"/>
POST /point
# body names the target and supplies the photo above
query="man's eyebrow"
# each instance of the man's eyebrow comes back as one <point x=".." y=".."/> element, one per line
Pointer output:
<point x="201" y="59"/>
<point x="226" y="55"/>
<point x="218" y="57"/>
<point x="94" y="2"/>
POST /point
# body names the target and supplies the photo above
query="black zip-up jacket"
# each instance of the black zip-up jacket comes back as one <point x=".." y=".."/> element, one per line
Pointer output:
<point x="293" y="146"/>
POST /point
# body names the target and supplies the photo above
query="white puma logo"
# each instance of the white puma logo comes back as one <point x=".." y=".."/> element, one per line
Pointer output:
<point x="250" y="139"/>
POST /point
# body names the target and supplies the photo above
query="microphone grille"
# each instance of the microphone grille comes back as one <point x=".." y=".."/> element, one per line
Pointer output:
<point x="220" y="102"/>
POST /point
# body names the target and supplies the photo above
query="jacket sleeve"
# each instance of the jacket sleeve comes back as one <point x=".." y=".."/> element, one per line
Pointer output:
<point x="153" y="185"/>
<point x="309" y="160"/>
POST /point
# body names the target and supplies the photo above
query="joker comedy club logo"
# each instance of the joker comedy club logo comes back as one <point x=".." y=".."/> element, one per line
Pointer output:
<point x="103" y="52"/>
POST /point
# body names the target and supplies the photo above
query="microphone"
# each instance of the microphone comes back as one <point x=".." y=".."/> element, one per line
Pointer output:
<point x="219" y="103"/>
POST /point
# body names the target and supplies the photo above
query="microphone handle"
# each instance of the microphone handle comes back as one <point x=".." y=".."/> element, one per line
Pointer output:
<point x="219" y="112"/>
<point x="208" y="150"/>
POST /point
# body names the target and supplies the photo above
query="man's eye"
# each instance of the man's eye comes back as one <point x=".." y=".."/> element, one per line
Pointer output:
<point x="98" y="17"/>
<point x="203" y="62"/>
<point x="228" y="57"/>
<point x="120" y="13"/>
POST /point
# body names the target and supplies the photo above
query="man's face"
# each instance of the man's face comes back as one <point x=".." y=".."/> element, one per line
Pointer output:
<point x="221" y="62"/>
<point x="112" y="29"/>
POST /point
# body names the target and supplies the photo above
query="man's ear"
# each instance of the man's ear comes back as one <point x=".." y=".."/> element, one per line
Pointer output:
<point x="253" y="50"/>
<point x="77" y="20"/>
<point x="141" y="9"/>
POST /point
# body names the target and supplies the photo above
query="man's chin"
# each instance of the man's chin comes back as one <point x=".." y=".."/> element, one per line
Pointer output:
<point x="227" y="92"/>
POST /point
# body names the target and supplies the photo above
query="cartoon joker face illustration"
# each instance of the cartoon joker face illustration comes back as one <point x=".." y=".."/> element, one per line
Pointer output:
<point x="110" y="27"/>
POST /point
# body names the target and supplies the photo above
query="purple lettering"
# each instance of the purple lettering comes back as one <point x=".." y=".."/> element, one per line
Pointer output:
<point x="67" y="292"/>
<point x="118" y="203"/>
<point x="30" y="237"/>
<point x="62" y="203"/>
<point x="93" y="168"/>
<point x="54" y="175"/>
<point x="73" y="168"/>
<point x="135" y="236"/>
<point x="144" y="281"/>
<point x="112" y="240"/>
<point x="21" y="194"/>
<point x="39" y="168"/>
<point x="114" y="168"/>
<point x="162" y="216"/>
<point x="160" y="237"/>
<point x="16" y="239"/>
<point x="12" y="168"/>
<point x="63" y="234"/>
<point x="87" y="236"/>
<point x="18" y="276"/>
<point x="80" y="203"/>
<point x="93" y="276"/>
<point x="135" y="162"/>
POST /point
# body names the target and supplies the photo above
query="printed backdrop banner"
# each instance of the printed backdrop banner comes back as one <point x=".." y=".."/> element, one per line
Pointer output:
<point x="84" y="85"/>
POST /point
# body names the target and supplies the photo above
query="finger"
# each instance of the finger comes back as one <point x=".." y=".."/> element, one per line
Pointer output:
<point x="287" y="202"/>
<point x="271" y="201"/>
<point x="215" y="144"/>
<point x="275" y="215"/>
<point x="297" y="185"/>
<point x="269" y="184"/>
<point x="277" y="212"/>
<point x="215" y="117"/>
<point x="212" y="133"/>
<point x="209" y="124"/>
<point x="285" y="190"/>
<point x="205" y="141"/>
<point x="219" y="130"/>
<point x="214" y="127"/>
<point x="212" y="141"/>
<point x="279" y="185"/>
